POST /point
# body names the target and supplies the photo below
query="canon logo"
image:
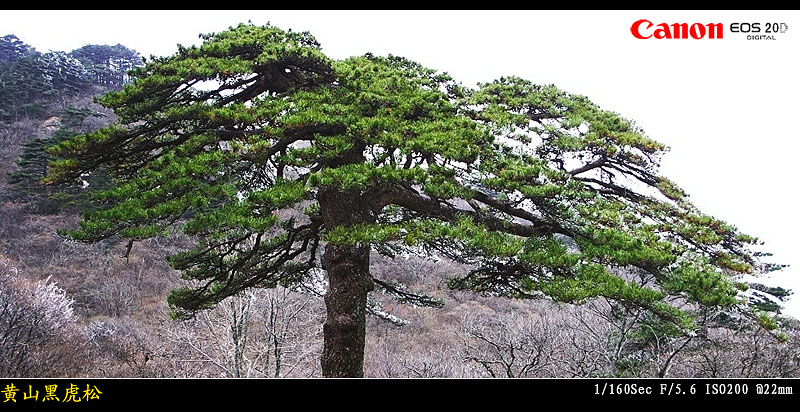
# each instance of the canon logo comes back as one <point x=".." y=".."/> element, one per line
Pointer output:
<point x="643" y="29"/>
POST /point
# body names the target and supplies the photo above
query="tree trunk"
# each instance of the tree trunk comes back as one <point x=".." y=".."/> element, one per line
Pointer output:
<point x="349" y="282"/>
<point x="345" y="328"/>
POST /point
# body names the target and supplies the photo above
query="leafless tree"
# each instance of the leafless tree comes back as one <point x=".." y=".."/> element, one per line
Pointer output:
<point x="264" y="333"/>
<point x="508" y="346"/>
<point x="39" y="335"/>
<point x="290" y="328"/>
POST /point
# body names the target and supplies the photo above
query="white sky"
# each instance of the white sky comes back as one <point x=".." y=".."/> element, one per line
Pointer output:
<point x="727" y="108"/>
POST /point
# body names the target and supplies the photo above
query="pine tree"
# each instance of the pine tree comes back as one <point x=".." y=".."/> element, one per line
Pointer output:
<point x="109" y="64"/>
<point x="541" y="191"/>
<point x="13" y="49"/>
<point x="25" y="183"/>
<point x="31" y="81"/>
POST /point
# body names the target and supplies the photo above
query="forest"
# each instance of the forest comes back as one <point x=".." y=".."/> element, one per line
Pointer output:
<point x="94" y="281"/>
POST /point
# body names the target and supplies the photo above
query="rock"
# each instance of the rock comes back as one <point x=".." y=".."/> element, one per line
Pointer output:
<point x="51" y="124"/>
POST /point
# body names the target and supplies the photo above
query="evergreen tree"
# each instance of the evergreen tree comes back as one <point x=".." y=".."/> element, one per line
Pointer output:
<point x="25" y="183"/>
<point x="13" y="49"/>
<point x="541" y="191"/>
<point x="24" y="85"/>
<point x="109" y="65"/>
<point x="65" y="75"/>
<point x="31" y="81"/>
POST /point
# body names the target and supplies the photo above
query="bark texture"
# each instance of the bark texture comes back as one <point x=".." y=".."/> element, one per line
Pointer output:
<point x="349" y="282"/>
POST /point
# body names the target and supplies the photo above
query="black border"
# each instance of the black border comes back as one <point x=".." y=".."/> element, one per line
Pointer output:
<point x="414" y="394"/>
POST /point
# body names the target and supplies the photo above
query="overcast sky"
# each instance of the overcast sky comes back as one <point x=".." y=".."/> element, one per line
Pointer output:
<point x="727" y="108"/>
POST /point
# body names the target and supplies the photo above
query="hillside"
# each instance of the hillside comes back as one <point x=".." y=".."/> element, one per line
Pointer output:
<point x="99" y="310"/>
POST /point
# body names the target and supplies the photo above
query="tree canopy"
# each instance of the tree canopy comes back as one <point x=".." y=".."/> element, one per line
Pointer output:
<point x="25" y="183"/>
<point x="279" y="161"/>
<point x="29" y="80"/>
<point x="13" y="49"/>
<point x="108" y="64"/>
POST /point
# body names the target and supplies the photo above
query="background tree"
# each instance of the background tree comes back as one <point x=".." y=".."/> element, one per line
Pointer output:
<point x="263" y="333"/>
<point x="25" y="183"/>
<point x="30" y="81"/>
<point x="541" y="191"/>
<point x="510" y="348"/>
<point x="40" y="335"/>
<point x="109" y="65"/>
<point x="13" y="49"/>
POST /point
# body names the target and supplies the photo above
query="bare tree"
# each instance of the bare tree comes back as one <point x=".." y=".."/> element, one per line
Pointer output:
<point x="261" y="333"/>
<point x="290" y="333"/>
<point x="622" y="342"/>
<point x="507" y="346"/>
<point x="746" y="352"/>
<point x="218" y="337"/>
<point x="39" y="335"/>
